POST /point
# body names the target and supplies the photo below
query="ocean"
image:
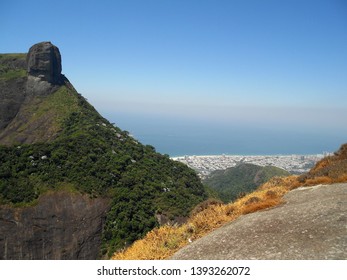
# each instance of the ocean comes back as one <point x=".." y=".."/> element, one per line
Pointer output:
<point x="177" y="137"/>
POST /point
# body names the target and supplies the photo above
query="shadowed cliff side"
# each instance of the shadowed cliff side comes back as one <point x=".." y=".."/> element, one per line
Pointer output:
<point x="61" y="226"/>
<point x="13" y="78"/>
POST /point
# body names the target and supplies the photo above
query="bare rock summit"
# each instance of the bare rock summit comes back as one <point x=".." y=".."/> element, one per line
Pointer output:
<point x="44" y="62"/>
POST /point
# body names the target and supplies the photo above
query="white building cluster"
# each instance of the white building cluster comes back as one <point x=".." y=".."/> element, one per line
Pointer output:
<point x="295" y="164"/>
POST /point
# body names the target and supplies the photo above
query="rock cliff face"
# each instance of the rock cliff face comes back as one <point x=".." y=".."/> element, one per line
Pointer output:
<point x="44" y="62"/>
<point x="61" y="226"/>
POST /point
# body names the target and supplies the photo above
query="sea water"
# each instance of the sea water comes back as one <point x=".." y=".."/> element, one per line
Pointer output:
<point x="178" y="137"/>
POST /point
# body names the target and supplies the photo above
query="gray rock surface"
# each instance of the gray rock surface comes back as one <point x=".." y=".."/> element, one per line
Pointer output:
<point x="44" y="62"/>
<point x="311" y="224"/>
<point x="61" y="226"/>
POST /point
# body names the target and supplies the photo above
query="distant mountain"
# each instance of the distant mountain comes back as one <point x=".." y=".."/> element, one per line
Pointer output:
<point x="73" y="185"/>
<point x="241" y="179"/>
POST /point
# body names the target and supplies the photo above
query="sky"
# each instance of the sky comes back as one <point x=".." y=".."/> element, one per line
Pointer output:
<point x="276" y="67"/>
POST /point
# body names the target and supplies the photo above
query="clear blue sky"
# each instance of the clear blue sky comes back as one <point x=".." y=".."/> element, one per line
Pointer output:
<point x="257" y="63"/>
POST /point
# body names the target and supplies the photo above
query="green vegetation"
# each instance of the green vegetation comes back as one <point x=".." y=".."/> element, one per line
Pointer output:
<point x="236" y="181"/>
<point x="90" y="155"/>
<point x="10" y="66"/>
<point x="11" y="56"/>
<point x="59" y="104"/>
<point x="46" y="113"/>
<point x="11" y="74"/>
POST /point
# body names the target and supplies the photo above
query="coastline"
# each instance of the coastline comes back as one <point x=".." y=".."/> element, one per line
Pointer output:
<point x="294" y="163"/>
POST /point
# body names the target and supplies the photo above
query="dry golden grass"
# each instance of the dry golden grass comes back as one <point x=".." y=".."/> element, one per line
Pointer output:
<point x="157" y="244"/>
<point x="253" y="207"/>
<point x="287" y="183"/>
<point x="331" y="169"/>
<point x="342" y="178"/>
<point x="318" y="180"/>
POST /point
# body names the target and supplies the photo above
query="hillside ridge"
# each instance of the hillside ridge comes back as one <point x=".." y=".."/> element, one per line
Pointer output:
<point x="52" y="139"/>
<point x="235" y="182"/>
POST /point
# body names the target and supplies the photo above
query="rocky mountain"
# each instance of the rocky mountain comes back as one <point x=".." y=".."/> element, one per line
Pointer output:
<point x="73" y="185"/>
<point x="25" y="82"/>
<point x="234" y="182"/>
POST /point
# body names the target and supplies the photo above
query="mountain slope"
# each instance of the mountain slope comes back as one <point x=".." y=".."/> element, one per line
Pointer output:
<point x="331" y="168"/>
<point x="243" y="178"/>
<point x="54" y="140"/>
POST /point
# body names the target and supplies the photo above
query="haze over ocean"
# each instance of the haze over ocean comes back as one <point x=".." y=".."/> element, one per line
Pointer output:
<point x="178" y="137"/>
<point x="201" y="76"/>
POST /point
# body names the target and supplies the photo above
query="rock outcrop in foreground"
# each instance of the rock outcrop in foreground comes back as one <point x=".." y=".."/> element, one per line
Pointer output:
<point x="311" y="224"/>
